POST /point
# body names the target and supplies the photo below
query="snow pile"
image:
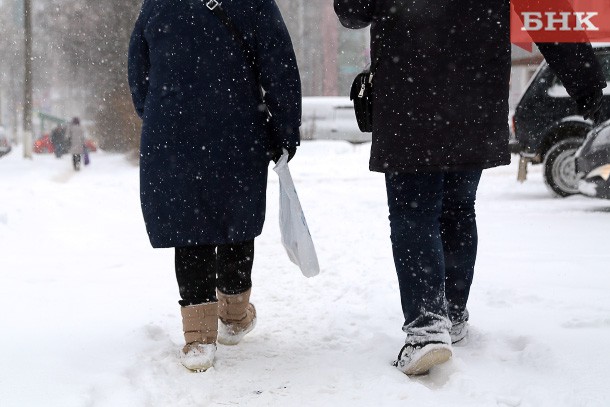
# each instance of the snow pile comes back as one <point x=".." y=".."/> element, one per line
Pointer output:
<point x="90" y="314"/>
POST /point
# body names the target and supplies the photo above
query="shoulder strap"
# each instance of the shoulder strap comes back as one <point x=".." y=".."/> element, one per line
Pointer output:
<point x="237" y="36"/>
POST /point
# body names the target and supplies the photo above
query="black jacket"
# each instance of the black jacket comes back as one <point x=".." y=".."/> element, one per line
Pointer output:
<point x="441" y="88"/>
<point x="203" y="162"/>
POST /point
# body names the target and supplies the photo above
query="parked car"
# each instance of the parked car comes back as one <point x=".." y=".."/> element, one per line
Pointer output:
<point x="43" y="145"/>
<point x="331" y="118"/>
<point x="5" y="145"/>
<point x="547" y="130"/>
<point x="593" y="163"/>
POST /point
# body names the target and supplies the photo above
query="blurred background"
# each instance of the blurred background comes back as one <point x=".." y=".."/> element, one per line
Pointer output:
<point x="65" y="58"/>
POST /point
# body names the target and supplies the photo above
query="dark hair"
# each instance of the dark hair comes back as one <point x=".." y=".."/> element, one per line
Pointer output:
<point x="75" y="120"/>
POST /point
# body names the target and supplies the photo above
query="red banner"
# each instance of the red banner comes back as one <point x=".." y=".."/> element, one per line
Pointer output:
<point x="559" y="21"/>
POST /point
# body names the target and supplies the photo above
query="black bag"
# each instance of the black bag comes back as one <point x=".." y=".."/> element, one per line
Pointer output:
<point x="362" y="88"/>
<point x="362" y="95"/>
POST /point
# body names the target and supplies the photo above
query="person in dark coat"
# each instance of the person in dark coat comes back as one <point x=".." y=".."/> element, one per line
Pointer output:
<point x="440" y="109"/>
<point x="207" y="140"/>
<point x="58" y="140"/>
<point x="76" y="135"/>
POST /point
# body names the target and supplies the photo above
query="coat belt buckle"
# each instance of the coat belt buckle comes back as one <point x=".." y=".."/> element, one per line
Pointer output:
<point x="212" y="4"/>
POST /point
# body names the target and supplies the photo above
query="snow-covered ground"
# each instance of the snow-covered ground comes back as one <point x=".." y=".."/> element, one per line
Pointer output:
<point x="89" y="313"/>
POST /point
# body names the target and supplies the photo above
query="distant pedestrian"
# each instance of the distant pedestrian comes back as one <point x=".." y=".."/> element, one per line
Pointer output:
<point x="58" y="140"/>
<point x="76" y="137"/>
<point x="440" y="109"/>
<point x="207" y="140"/>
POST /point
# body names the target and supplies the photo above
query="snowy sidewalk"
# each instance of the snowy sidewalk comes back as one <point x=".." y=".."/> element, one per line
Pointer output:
<point x="89" y="311"/>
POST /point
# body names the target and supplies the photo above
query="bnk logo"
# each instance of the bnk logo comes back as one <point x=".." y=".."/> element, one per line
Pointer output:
<point x="559" y="21"/>
<point x="564" y="21"/>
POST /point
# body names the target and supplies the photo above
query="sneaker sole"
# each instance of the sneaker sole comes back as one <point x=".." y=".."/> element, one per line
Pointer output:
<point x="430" y="359"/>
<point x="460" y="341"/>
<point x="460" y="336"/>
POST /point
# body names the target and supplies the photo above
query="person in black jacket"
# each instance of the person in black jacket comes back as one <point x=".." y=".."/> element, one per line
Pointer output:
<point x="58" y="140"/>
<point x="207" y="140"/>
<point x="440" y="109"/>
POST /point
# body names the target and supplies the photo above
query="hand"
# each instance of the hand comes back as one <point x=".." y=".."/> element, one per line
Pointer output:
<point x="589" y="106"/>
<point x="277" y="154"/>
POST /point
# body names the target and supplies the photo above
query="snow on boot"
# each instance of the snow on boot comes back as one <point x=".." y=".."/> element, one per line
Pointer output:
<point x="200" y="325"/>
<point x="458" y="331"/>
<point x="418" y="359"/>
<point x="237" y="317"/>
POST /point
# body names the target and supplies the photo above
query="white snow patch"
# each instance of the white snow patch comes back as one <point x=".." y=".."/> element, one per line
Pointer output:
<point x="90" y="314"/>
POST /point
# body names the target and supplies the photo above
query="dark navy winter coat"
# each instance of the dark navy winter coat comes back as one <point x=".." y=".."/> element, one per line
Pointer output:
<point x="441" y="89"/>
<point x="205" y="135"/>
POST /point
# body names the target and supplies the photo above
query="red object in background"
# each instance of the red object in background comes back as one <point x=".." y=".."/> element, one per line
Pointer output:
<point x="44" y="146"/>
<point x="90" y="145"/>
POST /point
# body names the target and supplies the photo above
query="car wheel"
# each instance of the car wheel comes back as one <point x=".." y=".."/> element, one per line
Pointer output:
<point x="560" y="167"/>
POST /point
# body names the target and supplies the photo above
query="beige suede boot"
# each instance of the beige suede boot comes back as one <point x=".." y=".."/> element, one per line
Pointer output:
<point x="200" y="325"/>
<point x="237" y="317"/>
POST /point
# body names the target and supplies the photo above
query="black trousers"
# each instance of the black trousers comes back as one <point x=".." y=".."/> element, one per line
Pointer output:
<point x="76" y="161"/>
<point x="434" y="241"/>
<point x="200" y="270"/>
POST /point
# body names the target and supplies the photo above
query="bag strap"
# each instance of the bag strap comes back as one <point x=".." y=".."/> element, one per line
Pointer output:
<point x="236" y="35"/>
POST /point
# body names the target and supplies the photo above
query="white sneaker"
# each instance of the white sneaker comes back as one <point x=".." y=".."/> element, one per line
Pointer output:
<point x="198" y="357"/>
<point x="458" y="331"/>
<point x="418" y="359"/>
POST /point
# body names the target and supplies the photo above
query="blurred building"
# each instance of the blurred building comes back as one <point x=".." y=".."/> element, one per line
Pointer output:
<point x="524" y="66"/>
